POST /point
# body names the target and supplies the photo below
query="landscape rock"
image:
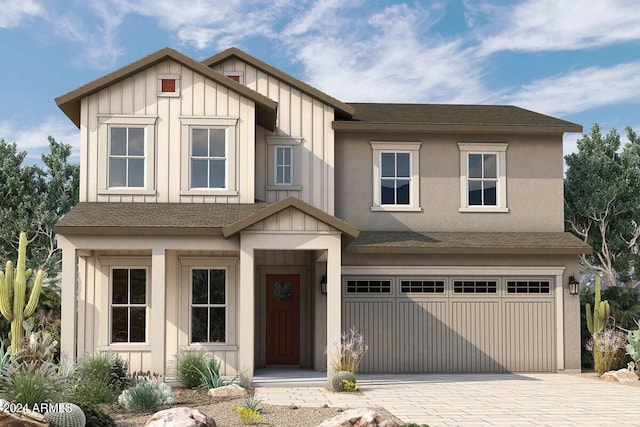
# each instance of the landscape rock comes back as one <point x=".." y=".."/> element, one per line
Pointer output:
<point x="620" y="376"/>
<point x="233" y="390"/>
<point x="358" y="417"/>
<point x="18" y="419"/>
<point x="179" y="417"/>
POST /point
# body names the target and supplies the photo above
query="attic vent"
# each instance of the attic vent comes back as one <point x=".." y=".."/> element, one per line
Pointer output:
<point x="168" y="85"/>
<point x="237" y="76"/>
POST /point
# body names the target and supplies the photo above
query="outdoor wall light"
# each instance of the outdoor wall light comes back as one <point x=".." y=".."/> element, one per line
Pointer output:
<point x="574" y="286"/>
<point x="323" y="284"/>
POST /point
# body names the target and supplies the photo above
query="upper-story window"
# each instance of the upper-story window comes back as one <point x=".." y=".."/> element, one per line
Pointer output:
<point x="126" y="154"/>
<point x="208" y="162"/>
<point x="284" y="165"/>
<point x="396" y="179"/>
<point x="483" y="178"/>
<point x="126" y="157"/>
<point x="208" y="156"/>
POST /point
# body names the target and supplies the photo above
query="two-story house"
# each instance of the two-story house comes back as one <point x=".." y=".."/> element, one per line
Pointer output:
<point x="228" y="206"/>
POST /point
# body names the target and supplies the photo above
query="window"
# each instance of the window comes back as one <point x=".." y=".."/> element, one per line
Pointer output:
<point x="284" y="165"/>
<point x="528" y="287"/>
<point x="368" y="286"/>
<point x="208" y="158"/>
<point x="396" y="181"/>
<point x="126" y="157"/>
<point x="169" y="85"/>
<point x="475" y="287"/>
<point x="483" y="178"/>
<point x="128" y="305"/>
<point x="422" y="286"/>
<point x="208" y="305"/>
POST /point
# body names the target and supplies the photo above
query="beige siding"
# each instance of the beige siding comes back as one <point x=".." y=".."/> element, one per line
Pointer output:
<point x="137" y="96"/>
<point x="534" y="184"/>
<point x="293" y="220"/>
<point x="527" y="326"/>
<point x="299" y="116"/>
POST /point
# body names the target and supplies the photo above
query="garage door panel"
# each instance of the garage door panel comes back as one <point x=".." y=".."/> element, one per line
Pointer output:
<point x="529" y="336"/>
<point x="476" y="336"/>
<point x="423" y="336"/>
<point x="374" y="320"/>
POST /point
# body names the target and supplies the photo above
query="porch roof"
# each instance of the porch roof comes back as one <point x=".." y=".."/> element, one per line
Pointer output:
<point x="468" y="243"/>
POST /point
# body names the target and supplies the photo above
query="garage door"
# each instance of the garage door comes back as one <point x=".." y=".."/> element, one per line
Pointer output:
<point x="453" y="324"/>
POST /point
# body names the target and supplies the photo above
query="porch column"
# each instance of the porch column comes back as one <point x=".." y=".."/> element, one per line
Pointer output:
<point x="246" y="315"/>
<point x="560" y="321"/>
<point x="156" y="332"/>
<point x="68" y="321"/>
<point x="334" y="300"/>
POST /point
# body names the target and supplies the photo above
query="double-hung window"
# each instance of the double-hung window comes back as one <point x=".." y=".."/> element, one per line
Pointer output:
<point x="126" y="157"/>
<point x="208" y="158"/>
<point x="483" y="178"/>
<point x="284" y="165"/>
<point x="208" y="305"/>
<point x="128" y="305"/>
<point x="396" y="181"/>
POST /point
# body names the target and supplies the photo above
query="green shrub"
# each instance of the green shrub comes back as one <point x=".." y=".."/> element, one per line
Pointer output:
<point x="253" y="403"/>
<point x="108" y="367"/>
<point x="210" y="377"/>
<point x="608" y="347"/>
<point x="30" y="383"/>
<point x="338" y="377"/>
<point x="91" y="390"/>
<point x="146" y="396"/>
<point x="73" y="417"/>
<point x="96" y="417"/>
<point x="189" y="364"/>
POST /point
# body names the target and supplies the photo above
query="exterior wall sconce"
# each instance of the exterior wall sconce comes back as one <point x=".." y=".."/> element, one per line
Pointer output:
<point x="323" y="284"/>
<point x="574" y="285"/>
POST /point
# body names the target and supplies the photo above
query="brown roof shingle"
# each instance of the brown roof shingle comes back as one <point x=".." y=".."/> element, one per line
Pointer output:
<point x="468" y="242"/>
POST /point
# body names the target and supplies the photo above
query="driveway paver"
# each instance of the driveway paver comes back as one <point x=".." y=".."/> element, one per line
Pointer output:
<point x="480" y="400"/>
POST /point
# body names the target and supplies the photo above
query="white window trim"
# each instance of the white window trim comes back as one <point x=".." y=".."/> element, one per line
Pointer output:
<point x="187" y="264"/>
<point x="175" y="77"/>
<point x="500" y="150"/>
<point x="275" y="165"/>
<point x="281" y="141"/>
<point x="227" y="123"/>
<point x="413" y="148"/>
<point x="104" y="124"/>
<point x="107" y="263"/>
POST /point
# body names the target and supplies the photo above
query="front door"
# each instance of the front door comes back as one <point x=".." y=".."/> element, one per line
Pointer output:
<point x="283" y="319"/>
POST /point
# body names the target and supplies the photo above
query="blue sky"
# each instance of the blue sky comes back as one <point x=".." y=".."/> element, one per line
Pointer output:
<point x="577" y="60"/>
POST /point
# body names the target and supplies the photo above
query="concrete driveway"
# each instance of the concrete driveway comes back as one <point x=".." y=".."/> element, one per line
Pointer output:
<point x="481" y="400"/>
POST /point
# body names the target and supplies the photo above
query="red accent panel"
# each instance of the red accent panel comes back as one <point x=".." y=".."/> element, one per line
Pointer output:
<point x="236" y="78"/>
<point x="168" y="85"/>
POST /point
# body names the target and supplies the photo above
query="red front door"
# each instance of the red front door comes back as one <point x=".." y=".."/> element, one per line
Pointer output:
<point x="283" y="319"/>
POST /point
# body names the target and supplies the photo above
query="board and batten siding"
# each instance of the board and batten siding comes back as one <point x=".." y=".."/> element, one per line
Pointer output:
<point x="299" y="116"/>
<point x="137" y="96"/>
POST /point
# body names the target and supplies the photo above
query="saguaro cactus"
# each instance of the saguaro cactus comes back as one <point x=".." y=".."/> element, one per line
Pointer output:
<point x="597" y="319"/>
<point x="13" y="289"/>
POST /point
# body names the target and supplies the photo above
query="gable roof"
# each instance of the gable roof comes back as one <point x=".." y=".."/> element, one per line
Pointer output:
<point x="69" y="103"/>
<point x="462" y="242"/>
<point x="342" y="109"/>
<point x="291" y="202"/>
<point x="451" y="117"/>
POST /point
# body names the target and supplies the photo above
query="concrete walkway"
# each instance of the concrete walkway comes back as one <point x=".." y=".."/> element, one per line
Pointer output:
<point x="480" y="400"/>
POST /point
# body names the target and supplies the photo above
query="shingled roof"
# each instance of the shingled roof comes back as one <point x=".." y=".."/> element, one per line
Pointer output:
<point x="467" y="243"/>
<point x="420" y="117"/>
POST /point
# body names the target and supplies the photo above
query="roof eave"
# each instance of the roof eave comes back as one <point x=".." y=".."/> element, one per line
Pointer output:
<point x="343" y="108"/>
<point x="378" y="249"/>
<point x="452" y="127"/>
<point x="142" y="231"/>
<point x="69" y="103"/>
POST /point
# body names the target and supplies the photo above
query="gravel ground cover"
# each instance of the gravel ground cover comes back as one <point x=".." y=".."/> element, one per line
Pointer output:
<point x="220" y="409"/>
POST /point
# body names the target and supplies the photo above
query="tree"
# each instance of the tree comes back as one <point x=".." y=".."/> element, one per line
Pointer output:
<point x="602" y="191"/>
<point x="32" y="199"/>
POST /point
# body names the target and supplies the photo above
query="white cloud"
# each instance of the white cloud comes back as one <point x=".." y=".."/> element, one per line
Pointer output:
<point x="545" y="25"/>
<point x="34" y="140"/>
<point x="581" y="90"/>
<point x="12" y="12"/>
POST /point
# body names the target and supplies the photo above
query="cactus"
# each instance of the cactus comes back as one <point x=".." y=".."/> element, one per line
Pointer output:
<point x="633" y="348"/>
<point x="597" y="319"/>
<point x="69" y="415"/>
<point x="13" y="289"/>
<point x="338" y="377"/>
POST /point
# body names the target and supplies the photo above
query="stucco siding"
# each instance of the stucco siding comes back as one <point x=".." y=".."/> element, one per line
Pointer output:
<point x="534" y="184"/>
<point x="137" y="97"/>
<point x="300" y="117"/>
